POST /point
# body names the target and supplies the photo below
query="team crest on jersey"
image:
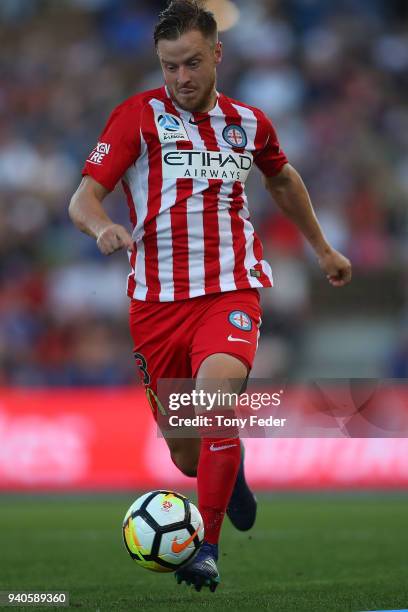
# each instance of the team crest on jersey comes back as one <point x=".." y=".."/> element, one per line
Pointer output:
<point x="170" y="128"/>
<point x="240" y="319"/>
<point x="235" y="135"/>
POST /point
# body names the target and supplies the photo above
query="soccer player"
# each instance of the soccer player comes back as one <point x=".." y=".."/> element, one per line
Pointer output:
<point x="183" y="152"/>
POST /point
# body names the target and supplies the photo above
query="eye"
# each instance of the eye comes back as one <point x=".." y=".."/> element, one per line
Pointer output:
<point x="170" y="68"/>
<point x="194" y="64"/>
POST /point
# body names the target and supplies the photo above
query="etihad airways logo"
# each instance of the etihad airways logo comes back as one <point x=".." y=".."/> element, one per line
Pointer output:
<point x="225" y="165"/>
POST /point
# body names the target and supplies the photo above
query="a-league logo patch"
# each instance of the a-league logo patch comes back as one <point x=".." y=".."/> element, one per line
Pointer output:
<point x="168" y="122"/>
<point x="235" y="135"/>
<point x="240" y="319"/>
<point x="170" y="128"/>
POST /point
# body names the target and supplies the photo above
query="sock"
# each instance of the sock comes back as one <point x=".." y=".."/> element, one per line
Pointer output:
<point x="216" y="475"/>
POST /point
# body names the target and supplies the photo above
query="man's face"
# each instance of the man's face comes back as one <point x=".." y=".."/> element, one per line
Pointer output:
<point x="189" y="69"/>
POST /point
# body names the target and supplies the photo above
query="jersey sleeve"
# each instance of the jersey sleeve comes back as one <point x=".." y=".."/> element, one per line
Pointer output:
<point x="268" y="156"/>
<point x="118" y="147"/>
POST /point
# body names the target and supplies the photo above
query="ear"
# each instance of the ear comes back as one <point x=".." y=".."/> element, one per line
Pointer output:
<point x="218" y="52"/>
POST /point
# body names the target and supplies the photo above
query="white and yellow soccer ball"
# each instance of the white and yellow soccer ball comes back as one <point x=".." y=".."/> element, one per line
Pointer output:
<point x="162" y="530"/>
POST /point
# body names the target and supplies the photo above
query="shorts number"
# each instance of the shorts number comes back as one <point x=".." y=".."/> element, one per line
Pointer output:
<point x="142" y="365"/>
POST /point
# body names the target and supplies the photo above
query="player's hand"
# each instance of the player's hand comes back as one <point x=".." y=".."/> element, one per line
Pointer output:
<point x="113" y="238"/>
<point x="336" y="266"/>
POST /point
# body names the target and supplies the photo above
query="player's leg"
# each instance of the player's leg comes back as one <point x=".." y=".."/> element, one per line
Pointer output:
<point x="161" y="350"/>
<point x="185" y="453"/>
<point x="217" y="469"/>
<point x="242" y="505"/>
<point x="233" y="327"/>
<point x="220" y="456"/>
<point x="224" y="348"/>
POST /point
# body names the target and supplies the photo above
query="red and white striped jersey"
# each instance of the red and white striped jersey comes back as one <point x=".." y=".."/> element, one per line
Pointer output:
<point x="184" y="174"/>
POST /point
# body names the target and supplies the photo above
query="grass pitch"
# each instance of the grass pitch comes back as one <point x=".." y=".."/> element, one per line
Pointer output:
<point x="307" y="553"/>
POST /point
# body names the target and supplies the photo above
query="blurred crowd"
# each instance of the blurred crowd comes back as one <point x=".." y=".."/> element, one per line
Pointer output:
<point x="333" y="76"/>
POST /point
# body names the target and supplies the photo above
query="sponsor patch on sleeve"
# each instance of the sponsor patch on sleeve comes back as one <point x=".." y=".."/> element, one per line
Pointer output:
<point x="99" y="153"/>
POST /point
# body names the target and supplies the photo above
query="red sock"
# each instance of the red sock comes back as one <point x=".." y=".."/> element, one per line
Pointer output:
<point x="216" y="475"/>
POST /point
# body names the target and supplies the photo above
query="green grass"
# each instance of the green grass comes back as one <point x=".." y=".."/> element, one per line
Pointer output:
<point x="311" y="553"/>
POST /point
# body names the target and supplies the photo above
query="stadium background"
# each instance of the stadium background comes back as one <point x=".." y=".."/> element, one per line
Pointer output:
<point x="333" y="77"/>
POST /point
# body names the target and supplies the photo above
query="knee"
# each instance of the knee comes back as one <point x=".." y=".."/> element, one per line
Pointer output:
<point x="186" y="464"/>
<point x="221" y="368"/>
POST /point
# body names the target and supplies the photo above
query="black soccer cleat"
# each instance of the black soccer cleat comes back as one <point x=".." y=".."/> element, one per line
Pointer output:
<point x="202" y="569"/>
<point x="241" y="509"/>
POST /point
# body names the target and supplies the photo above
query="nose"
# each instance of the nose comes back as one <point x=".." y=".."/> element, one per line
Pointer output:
<point x="183" y="76"/>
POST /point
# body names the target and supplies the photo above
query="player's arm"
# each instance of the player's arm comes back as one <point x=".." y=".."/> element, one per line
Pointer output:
<point x="87" y="213"/>
<point x="290" y="194"/>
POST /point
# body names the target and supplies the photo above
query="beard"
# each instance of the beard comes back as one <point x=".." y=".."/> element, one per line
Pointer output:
<point x="200" y="102"/>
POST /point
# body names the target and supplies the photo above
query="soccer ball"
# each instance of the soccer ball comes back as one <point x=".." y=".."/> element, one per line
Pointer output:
<point x="162" y="530"/>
